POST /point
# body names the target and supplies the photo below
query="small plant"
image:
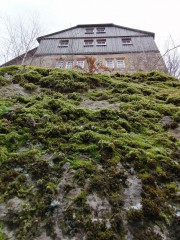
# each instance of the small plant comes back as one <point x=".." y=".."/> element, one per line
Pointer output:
<point x="3" y="81"/>
<point x="135" y="215"/>
<point x="30" y="86"/>
<point x="3" y="110"/>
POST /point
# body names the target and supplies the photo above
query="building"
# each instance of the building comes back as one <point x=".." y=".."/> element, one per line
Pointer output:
<point x="108" y="47"/>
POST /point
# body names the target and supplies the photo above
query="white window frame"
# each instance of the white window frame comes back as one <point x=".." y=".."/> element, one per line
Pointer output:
<point x="100" y="30"/>
<point x="101" y="42"/>
<point x="80" y="63"/>
<point x="126" y="41"/>
<point x="60" y="64"/>
<point x="89" y="30"/>
<point x="69" y="64"/>
<point x="110" y="63"/>
<point x="88" y="42"/>
<point x="120" y="63"/>
<point x="63" y="43"/>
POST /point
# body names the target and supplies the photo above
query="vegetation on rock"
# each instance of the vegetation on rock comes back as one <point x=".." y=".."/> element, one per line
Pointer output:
<point x="56" y="154"/>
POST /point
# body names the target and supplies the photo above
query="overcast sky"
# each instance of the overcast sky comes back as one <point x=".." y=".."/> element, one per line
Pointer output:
<point x="159" y="16"/>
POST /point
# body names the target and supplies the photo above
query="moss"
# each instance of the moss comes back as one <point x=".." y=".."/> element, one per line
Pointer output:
<point x="32" y="76"/>
<point x="30" y="87"/>
<point x="150" y="209"/>
<point x="3" y="110"/>
<point x="175" y="99"/>
<point x="3" y="81"/>
<point x="172" y="187"/>
<point x="146" y="234"/>
<point x="41" y="134"/>
<point x="135" y="216"/>
<point x="9" y="69"/>
<point x="106" y="149"/>
<point x="2" y="236"/>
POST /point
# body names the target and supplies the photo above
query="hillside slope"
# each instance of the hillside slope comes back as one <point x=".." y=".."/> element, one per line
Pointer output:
<point x="89" y="156"/>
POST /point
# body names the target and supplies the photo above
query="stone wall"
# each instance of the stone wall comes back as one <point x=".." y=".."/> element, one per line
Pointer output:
<point x="134" y="62"/>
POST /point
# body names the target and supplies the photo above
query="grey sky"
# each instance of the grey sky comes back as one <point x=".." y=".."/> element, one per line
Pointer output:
<point x="159" y="16"/>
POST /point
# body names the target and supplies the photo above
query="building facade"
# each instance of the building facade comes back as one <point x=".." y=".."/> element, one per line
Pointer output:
<point x="101" y="47"/>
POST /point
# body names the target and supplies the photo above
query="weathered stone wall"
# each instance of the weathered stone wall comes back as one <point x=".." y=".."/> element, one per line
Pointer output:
<point x="134" y="62"/>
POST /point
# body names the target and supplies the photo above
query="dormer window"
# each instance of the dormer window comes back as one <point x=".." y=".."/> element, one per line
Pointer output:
<point x="126" y="41"/>
<point x="88" y="43"/>
<point x="100" y="30"/>
<point x="89" y="30"/>
<point x="101" y="42"/>
<point x="63" y="43"/>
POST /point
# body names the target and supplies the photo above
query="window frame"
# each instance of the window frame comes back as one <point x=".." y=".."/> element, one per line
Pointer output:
<point x="63" y="45"/>
<point x="79" y="65"/>
<point x="110" y="60"/>
<point x="127" y="41"/>
<point x="88" y="40"/>
<point x="120" y="65"/>
<point x="67" y="62"/>
<point x="101" y="44"/>
<point x="59" y="61"/>
<point x="89" y="30"/>
<point x="100" y="31"/>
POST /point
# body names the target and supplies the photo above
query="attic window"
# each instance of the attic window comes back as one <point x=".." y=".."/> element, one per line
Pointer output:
<point x="89" y="30"/>
<point x="100" y="30"/>
<point x="63" y="43"/>
<point x="101" y="42"/>
<point x="126" y="41"/>
<point x="88" y="43"/>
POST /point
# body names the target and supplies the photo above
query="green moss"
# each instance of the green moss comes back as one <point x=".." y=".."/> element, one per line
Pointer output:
<point x="135" y="216"/>
<point x="3" y="81"/>
<point x="150" y="209"/>
<point x="41" y="134"/>
<point x="172" y="187"/>
<point x="10" y="70"/>
<point x="175" y="99"/>
<point x="30" y="86"/>
<point x="2" y="236"/>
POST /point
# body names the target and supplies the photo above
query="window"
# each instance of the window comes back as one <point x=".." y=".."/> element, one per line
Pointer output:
<point x="88" y="43"/>
<point x="120" y="63"/>
<point x="101" y="42"/>
<point x="80" y="63"/>
<point x="63" y="43"/>
<point x="89" y="30"/>
<point x="110" y="63"/>
<point x="69" y="64"/>
<point x="100" y="30"/>
<point x="126" y="41"/>
<point x="59" y="64"/>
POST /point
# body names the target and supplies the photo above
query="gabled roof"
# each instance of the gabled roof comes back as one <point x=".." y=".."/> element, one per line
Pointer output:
<point x="97" y="25"/>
